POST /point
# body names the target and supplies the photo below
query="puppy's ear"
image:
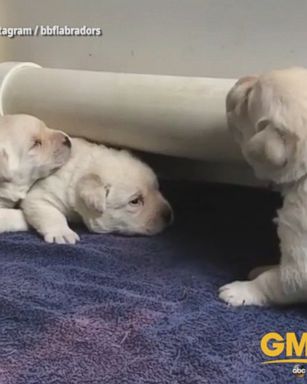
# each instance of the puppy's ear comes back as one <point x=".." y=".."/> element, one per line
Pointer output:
<point x="92" y="192"/>
<point x="271" y="146"/>
<point x="237" y="105"/>
<point x="5" y="172"/>
<point x="237" y="96"/>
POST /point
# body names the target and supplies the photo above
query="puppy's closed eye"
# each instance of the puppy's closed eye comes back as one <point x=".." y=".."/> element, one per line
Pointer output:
<point x="271" y="145"/>
<point x="36" y="143"/>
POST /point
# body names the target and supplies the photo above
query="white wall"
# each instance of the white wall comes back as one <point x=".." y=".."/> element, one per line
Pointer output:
<point x="220" y="38"/>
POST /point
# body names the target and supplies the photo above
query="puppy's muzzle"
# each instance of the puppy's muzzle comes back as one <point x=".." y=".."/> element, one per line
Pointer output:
<point x="167" y="215"/>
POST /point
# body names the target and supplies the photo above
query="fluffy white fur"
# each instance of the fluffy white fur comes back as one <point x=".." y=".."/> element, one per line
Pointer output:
<point x="109" y="190"/>
<point x="268" y="117"/>
<point x="28" y="151"/>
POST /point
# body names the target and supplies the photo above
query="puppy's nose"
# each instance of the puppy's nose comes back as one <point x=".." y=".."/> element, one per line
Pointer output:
<point x="67" y="142"/>
<point x="167" y="215"/>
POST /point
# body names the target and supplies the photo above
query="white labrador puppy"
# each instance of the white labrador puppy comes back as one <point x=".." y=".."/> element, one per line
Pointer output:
<point x="28" y="151"/>
<point x="268" y="117"/>
<point x="109" y="190"/>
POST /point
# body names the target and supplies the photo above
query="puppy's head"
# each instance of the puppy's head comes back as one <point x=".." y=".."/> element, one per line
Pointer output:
<point x="29" y="150"/>
<point x="124" y="198"/>
<point x="267" y="116"/>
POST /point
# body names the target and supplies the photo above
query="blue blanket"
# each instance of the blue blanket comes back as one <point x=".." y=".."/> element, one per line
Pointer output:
<point x="116" y="310"/>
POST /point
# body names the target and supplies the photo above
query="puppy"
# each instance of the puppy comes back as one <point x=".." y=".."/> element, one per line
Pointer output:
<point x="268" y="118"/>
<point x="109" y="190"/>
<point x="28" y="151"/>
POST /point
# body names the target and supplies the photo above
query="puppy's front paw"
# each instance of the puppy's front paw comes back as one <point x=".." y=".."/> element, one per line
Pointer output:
<point x="242" y="293"/>
<point x="62" y="236"/>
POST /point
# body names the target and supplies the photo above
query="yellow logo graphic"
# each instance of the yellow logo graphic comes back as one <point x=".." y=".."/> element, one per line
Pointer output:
<point x="287" y="349"/>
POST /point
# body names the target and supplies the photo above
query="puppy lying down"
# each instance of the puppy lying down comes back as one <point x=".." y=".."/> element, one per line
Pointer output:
<point x="108" y="189"/>
<point x="29" y="150"/>
<point x="268" y="117"/>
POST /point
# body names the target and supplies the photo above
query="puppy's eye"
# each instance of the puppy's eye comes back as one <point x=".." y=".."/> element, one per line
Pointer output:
<point x="136" y="201"/>
<point x="36" y="143"/>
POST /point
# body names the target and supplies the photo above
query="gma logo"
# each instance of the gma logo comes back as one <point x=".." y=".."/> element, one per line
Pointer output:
<point x="292" y="348"/>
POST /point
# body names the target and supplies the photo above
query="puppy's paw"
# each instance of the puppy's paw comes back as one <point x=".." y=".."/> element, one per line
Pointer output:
<point x="242" y="293"/>
<point x="62" y="236"/>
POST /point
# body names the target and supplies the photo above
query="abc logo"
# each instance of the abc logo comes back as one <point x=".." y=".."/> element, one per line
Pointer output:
<point x="299" y="370"/>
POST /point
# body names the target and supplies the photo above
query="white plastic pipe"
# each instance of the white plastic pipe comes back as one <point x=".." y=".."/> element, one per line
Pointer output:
<point x="179" y="116"/>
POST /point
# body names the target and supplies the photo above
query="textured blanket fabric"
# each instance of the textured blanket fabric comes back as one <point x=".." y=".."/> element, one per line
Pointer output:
<point x="116" y="310"/>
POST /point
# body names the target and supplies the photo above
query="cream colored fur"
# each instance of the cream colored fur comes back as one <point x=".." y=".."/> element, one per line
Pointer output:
<point x="109" y="190"/>
<point x="29" y="151"/>
<point x="267" y="115"/>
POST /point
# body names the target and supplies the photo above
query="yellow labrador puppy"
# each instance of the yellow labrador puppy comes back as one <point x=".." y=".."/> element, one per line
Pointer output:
<point x="28" y="151"/>
<point x="109" y="190"/>
<point x="267" y="115"/>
